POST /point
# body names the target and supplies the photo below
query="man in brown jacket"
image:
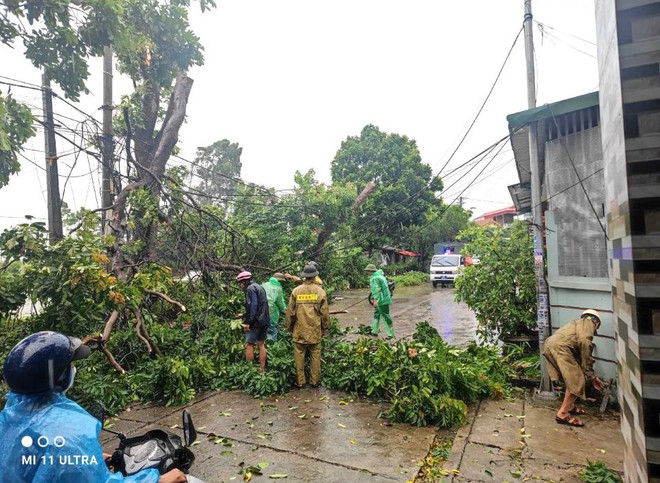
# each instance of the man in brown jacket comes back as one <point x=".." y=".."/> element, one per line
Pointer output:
<point x="307" y="318"/>
<point x="568" y="356"/>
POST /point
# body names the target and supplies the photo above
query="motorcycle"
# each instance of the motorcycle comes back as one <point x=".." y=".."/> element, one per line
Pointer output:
<point x="155" y="449"/>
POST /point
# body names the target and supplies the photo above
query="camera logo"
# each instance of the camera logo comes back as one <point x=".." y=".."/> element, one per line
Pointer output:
<point x="45" y="458"/>
<point x="43" y="441"/>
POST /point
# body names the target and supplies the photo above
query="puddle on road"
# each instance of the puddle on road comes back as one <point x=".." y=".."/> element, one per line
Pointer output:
<point x="455" y="322"/>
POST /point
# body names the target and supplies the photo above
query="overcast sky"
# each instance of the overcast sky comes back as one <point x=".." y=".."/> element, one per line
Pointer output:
<point x="290" y="80"/>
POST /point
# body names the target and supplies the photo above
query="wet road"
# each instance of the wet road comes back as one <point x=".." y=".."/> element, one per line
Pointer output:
<point x="454" y="321"/>
<point x="313" y="435"/>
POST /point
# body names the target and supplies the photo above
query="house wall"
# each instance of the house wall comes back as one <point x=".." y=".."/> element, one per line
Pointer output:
<point x="577" y="203"/>
<point x="577" y="264"/>
<point x="628" y="34"/>
<point x="571" y="295"/>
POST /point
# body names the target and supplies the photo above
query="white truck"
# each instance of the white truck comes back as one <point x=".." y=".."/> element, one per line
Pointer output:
<point x="445" y="268"/>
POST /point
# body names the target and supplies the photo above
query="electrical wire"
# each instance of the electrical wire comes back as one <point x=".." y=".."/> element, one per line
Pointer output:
<point x="483" y="104"/>
<point x="552" y="36"/>
<point x="546" y="26"/>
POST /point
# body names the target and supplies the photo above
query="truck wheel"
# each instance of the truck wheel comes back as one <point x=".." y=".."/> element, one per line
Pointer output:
<point x="435" y="284"/>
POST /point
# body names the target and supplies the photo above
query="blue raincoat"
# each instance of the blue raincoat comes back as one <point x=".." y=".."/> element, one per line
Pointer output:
<point x="47" y="437"/>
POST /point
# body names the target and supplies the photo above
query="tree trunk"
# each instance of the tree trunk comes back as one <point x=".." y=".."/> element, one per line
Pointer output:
<point x="154" y="150"/>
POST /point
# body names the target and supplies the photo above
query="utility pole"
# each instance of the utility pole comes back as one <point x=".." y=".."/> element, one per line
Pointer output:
<point x="55" y="232"/>
<point x="542" y="314"/>
<point x="107" y="142"/>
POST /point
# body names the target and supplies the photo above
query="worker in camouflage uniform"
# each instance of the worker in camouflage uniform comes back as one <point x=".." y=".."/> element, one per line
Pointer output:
<point x="307" y="318"/>
<point x="381" y="300"/>
<point x="276" y="304"/>
<point x="568" y="356"/>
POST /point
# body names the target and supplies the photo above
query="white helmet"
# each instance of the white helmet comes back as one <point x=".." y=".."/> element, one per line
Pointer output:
<point x="591" y="312"/>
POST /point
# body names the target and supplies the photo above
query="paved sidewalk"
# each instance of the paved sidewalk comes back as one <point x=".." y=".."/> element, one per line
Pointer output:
<point x="520" y="441"/>
<point x="324" y="435"/>
<point x="308" y="435"/>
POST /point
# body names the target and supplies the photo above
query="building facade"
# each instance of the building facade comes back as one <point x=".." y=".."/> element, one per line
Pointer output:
<point x="573" y="197"/>
<point x="629" y="70"/>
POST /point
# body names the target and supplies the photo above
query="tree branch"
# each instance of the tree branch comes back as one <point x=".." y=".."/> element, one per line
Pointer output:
<point x="167" y="299"/>
<point x="109" y="325"/>
<point x="138" y="328"/>
<point x="101" y="346"/>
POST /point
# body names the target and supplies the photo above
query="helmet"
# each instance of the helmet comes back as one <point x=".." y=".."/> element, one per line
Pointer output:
<point x="591" y="312"/>
<point x="313" y="264"/>
<point x="244" y="276"/>
<point x="309" y="271"/>
<point x="42" y="362"/>
<point x="370" y="268"/>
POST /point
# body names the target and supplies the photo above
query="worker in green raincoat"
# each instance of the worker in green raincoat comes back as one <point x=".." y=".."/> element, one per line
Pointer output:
<point x="276" y="304"/>
<point x="381" y="300"/>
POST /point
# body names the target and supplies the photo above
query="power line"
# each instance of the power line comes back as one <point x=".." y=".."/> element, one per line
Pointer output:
<point x="38" y="166"/>
<point x="484" y="102"/>
<point x="545" y="25"/>
<point x="551" y="36"/>
<point x="495" y="170"/>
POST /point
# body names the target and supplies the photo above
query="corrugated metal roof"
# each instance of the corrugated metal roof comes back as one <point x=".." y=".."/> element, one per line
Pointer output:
<point x="524" y="118"/>
<point x="521" y="194"/>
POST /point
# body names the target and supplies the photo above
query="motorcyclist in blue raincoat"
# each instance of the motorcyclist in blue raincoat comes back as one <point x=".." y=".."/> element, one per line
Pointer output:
<point x="45" y="436"/>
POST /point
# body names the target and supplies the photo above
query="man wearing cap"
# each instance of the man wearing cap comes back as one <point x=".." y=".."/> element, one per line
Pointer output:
<point x="381" y="300"/>
<point x="307" y="318"/>
<point x="568" y="356"/>
<point x="256" y="318"/>
<point x="45" y="436"/>
<point x="276" y="304"/>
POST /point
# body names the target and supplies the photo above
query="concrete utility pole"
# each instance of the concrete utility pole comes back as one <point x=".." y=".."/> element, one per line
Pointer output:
<point x="543" y="314"/>
<point x="55" y="232"/>
<point x="107" y="142"/>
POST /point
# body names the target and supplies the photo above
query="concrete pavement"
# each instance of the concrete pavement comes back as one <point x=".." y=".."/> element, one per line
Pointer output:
<point x="307" y="435"/>
<point x="520" y="441"/>
<point x="322" y="435"/>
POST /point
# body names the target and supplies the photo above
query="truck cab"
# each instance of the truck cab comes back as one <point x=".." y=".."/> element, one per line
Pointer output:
<point x="445" y="268"/>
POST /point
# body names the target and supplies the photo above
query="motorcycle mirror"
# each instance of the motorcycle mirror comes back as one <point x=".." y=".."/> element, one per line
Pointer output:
<point x="98" y="411"/>
<point x="189" y="433"/>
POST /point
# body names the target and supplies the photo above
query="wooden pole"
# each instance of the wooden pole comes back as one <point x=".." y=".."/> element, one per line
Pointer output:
<point x="107" y="144"/>
<point x="543" y="314"/>
<point x="55" y="232"/>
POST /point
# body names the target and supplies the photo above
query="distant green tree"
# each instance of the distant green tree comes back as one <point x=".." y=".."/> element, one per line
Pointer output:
<point x="218" y="167"/>
<point x="312" y="223"/>
<point x="441" y="224"/>
<point x="405" y="187"/>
